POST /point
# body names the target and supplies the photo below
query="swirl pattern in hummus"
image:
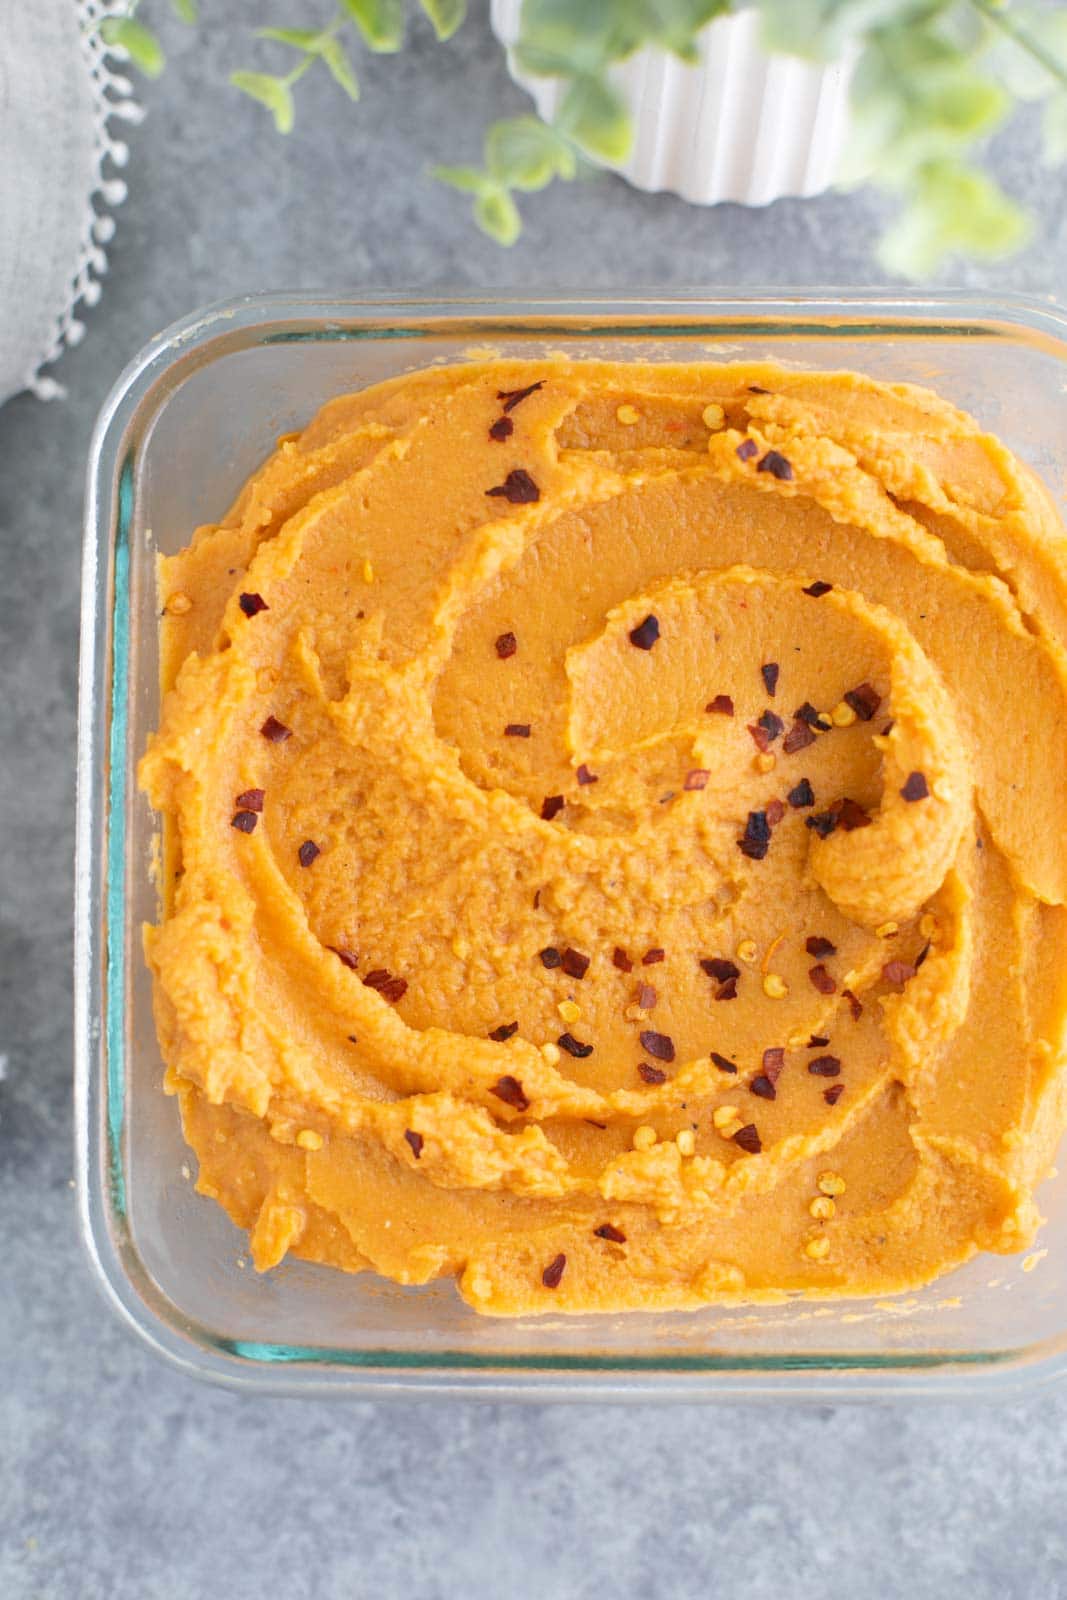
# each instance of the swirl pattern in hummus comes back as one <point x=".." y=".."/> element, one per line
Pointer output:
<point x="615" y="837"/>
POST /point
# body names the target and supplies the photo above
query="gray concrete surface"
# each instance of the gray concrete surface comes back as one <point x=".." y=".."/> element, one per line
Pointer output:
<point x="121" y="1479"/>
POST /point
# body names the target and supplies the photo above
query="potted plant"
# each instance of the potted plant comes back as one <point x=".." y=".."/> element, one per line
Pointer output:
<point x="739" y="99"/>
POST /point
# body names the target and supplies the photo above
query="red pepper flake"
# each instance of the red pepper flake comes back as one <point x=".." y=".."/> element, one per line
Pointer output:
<point x="823" y="824"/>
<point x="347" y="958"/>
<point x="749" y="1139"/>
<point x="818" y="947"/>
<point x="594" y="1124"/>
<point x="645" y="634"/>
<point x="803" y="795"/>
<point x="814" y="719"/>
<point x="824" y="1067"/>
<point x="798" y="738"/>
<point x="517" y="730"/>
<point x="621" y="960"/>
<point x="854" y="1005"/>
<point x="659" y="1045"/>
<point x="775" y="812"/>
<point x="585" y="776"/>
<point x="510" y="1090"/>
<point x="387" y="986"/>
<point x="506" y="645"/>
<point x="252" y="604"/>
<point x="763" y="1086"/>
<point x="574" y="964"/>
<point x="244" y="821"/>
<point x="759" y="738"/>
<point x="646" y="997"/>
<point x="518" y="488"/>
<point x="573" y="1046"/>
<point x="769" y="673"/>
<point x="650" y="1074"/>
<point x="276" y="732"/>
<point x="415" y="1140"/>
<point x="756" y="840"/>
<point x="502" y="429"/>
<point x="515" y="397"/>
<point x="505" y="1031"/>
<point x="721" y="970"/>
<point x="307" y="852"/>
<point x="755" y="388"/>
<point x="898" y="971"/>
<point x="251" y="800"/>
<point x="697" y="778"/>
<point x="553" y="1273"/>
<point x="822" y="980"/>
<point x="864" y="701"/>
<point x="817" y="1042"/>
<point x="550" y="956"/>
<point x="771" y="725"/>
<point x="352" y="1039"/>
<point x="851" y="815"/>
<point x="609" y="1231"/>
<point x="776" y="465"/>
<point x="551" y="806"/>
<point x="818" y="589"/>
<point x="915" y="787"/>
<point x="652" y="957"/>
<point x="390" y="988"/>
<point x="722" y="705"/>
<point x="727" y="990"/>
<point x="833" y="1094"/>
<point x="774" y="1063"/>
<point x="747" y="449"/>
<point x="723" y="1063"/>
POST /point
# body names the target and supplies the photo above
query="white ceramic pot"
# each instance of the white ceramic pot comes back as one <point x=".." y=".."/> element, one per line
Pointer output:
<point x="738" y="125"/>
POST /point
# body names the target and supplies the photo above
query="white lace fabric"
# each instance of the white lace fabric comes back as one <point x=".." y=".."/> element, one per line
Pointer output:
<point x="58" y="178"/>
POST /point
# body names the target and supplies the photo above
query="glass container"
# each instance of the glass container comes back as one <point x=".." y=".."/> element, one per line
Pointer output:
<point x="189" y="419"/>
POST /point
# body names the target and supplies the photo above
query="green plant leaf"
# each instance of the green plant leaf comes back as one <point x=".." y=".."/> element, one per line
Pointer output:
<point x="675" y="24"/>
<point x="497" y="215"/>
<point x="139" y="43"/>
<point x="306" y="39"/>
<point x="381" y="22"/>
<point x="953" y="210"/>
<point x="916" y="100"/>
<point x="594" y="115"/>
<point x="1054" y="128"/>
<point x="187" y="10"/>
<point x="273" y="93"/>
<point x="324" y="45"/>
<point x="541" y="62"/>
<point x="820" y="30"/>
<point x="525" y="153"/>
<point x="446" y="15"/>
<point x="336" y="58"/>
<point x="560" y="39"/>
<point x="467" y="179"/>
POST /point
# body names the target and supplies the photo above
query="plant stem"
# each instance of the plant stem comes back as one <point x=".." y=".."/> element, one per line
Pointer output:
<point x="298" y="71"/>
<point x="1002" y="19"/>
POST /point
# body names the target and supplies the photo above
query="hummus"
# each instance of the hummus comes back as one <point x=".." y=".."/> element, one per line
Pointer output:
<point x="615" y="849"/>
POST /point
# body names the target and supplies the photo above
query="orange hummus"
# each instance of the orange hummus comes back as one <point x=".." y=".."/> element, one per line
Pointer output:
<point x="615" y="837"/>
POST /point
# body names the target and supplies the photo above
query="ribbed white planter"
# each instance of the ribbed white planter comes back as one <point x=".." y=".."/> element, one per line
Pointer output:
<point x="737" y="125"/>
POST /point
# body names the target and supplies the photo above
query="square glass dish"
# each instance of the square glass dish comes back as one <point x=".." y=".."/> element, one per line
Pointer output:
<point x="187" y="422"/>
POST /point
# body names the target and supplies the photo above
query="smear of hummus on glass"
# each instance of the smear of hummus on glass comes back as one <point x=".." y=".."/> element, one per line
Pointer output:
<point x="615" y="837"/>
